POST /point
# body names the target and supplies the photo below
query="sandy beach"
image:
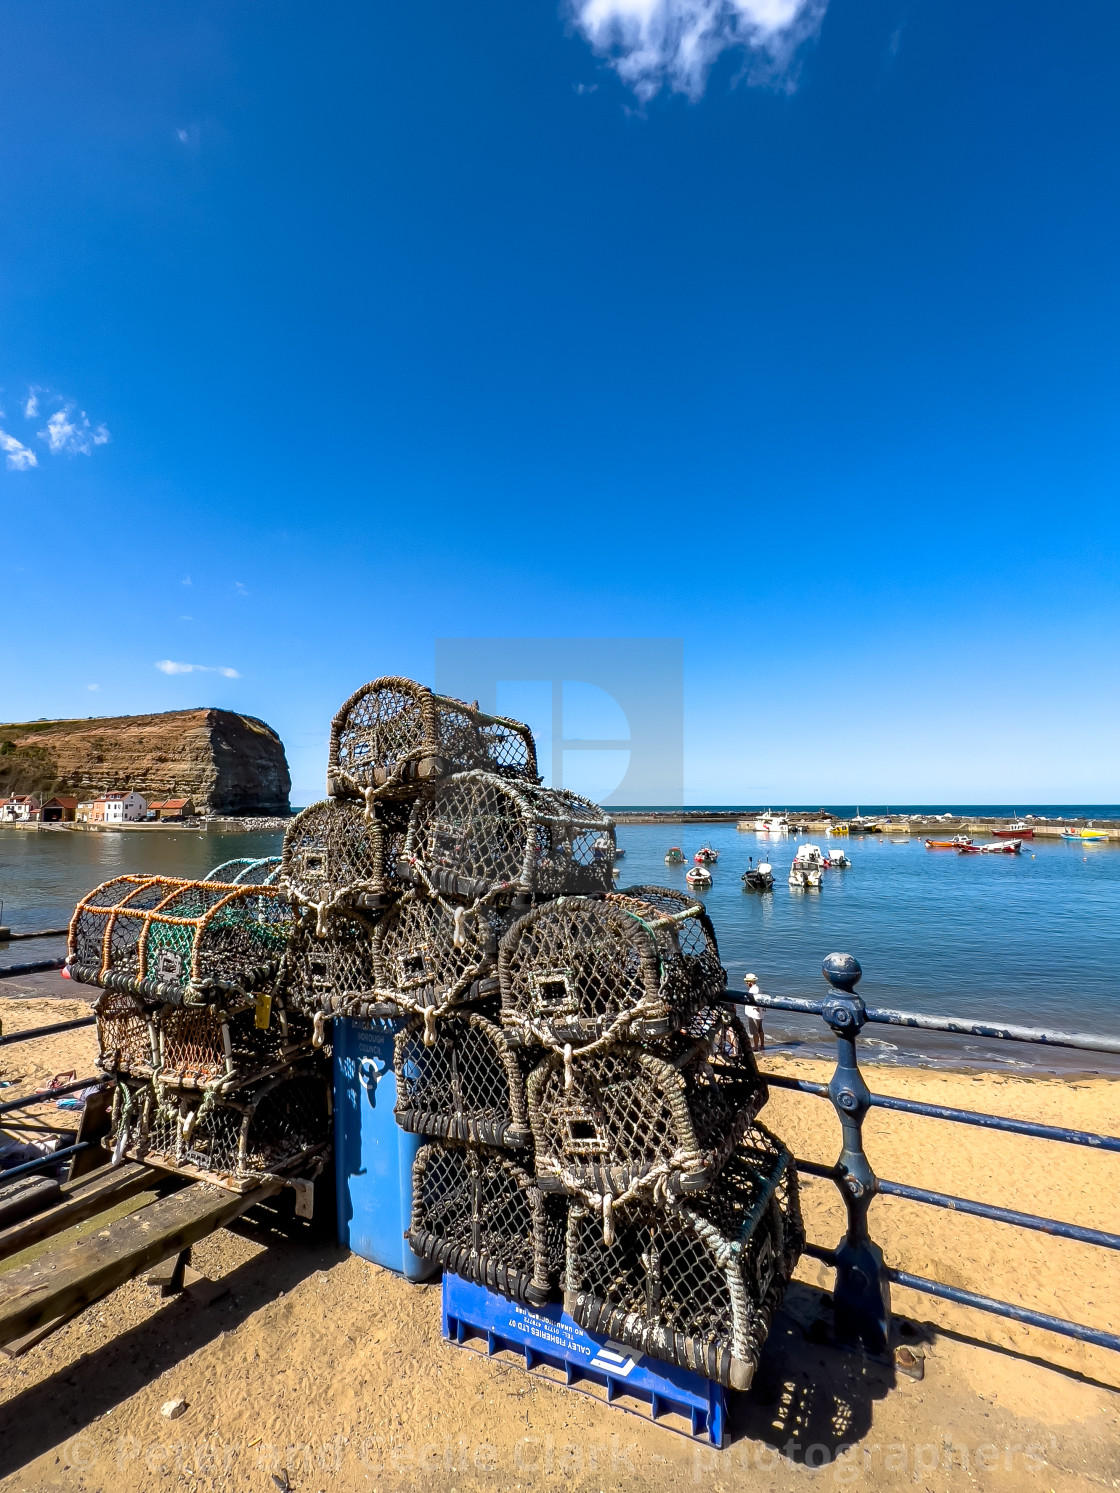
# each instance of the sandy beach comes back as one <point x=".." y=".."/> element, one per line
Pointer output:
<point x="304" y="1365"/>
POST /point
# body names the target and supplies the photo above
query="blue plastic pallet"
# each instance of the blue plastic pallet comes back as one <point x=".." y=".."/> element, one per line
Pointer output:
<point x="547" y="1335"/>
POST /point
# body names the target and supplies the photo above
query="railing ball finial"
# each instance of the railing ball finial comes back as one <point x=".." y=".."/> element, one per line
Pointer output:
<point x="843" y="972"/>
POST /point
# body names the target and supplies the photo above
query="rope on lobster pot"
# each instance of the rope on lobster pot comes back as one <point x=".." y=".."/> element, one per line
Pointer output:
<point x="608" y="1220"/>
<point x="318" y="1029"/>
<point x="568" y="1075"/>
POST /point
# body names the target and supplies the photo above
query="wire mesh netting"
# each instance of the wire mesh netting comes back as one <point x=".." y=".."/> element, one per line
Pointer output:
<point x="337" y="852"/>
<point x="466" y="1084"/>
<point x="126" y="1038"/>
<point x="583" y="972"/>
<point x="639" y="1120"/>
<point x="477" y="834"/>
<point x="480" y="1216"/>
<point x="694" y="1283"/>
<point x="429" y="954"/>
<point x="169" y="940"/>
<point x="394" y="733"/>
<point x="264" y="1130"/>
<point x="329" y="966"/>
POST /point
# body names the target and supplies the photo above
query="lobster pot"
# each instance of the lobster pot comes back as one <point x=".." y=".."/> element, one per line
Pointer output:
<point x="337" y="852"/>
<point x="478" y="835"/>
<point x="429" y="954"/>
<point x="247" y="870"/>
<point x="394" y="733"/>
<point x="480" y="1216"/>
<point x="697" y="1283"/>
<point x="200" y="1047"/>
<point x="638" y="1120"/>
<point x="466" y="1084"/>
<point x="126" y="1038"/>
<point x="331" y="973"/>
<point x="267" y="1129"/>
<point x="582" y="971"/>
<point x="178" y="940"/>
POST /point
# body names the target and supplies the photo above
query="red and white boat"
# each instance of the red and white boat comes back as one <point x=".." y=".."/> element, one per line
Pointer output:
<point x="1020" y="830"/>
<point x="706" y="856"/>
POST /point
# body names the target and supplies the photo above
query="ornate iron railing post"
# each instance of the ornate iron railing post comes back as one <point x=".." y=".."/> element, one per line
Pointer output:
<point x="862" y="1294"/>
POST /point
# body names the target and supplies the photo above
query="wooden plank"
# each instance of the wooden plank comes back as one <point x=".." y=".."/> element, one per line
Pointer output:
<point x="86" y="1269"/>
<point x="79" y="1200"/>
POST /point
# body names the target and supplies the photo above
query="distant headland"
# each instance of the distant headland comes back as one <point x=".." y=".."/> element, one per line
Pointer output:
<point x="224" y="762"/>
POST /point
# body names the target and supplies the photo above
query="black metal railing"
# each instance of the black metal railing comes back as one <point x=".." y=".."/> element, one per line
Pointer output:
<point x="863" y="1279"/>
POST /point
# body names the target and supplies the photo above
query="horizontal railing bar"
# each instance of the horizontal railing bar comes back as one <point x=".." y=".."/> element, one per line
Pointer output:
<point x="46" y="1031"/>
<point x="780" y="1081"/>
<point x="41" y="933"/>
<point x="997" y="1122"/>
<point x="35" y="967"/>
<point x="40" y="1162"/>
<point x="818" y="1169"/>
<point x="1004" y="1309"/>
<point x="960" y="1116"/>
<point x="996" y="1214"/>
<point x="819" y="1252"/>
<point x="1087" y="1041"/>
<point x="45" y="1095"/>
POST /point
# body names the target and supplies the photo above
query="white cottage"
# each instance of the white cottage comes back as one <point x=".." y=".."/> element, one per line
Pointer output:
<point x="120" y="808"/>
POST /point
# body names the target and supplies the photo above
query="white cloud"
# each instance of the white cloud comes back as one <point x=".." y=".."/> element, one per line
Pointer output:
<point x="169" y="666"/>
<point x="673" y="43"/>
<point x="92" y="686"/>
<point x="240" y="589"/>
<point x="73" y="436"/>
<point x="20" y="459"/>
<point x="31" y="408"/>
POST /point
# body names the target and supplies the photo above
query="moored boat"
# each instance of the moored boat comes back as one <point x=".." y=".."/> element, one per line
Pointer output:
<point x="758" y="878"/>
<point x="804" y="876"/>
<point x="706" y="856"/>
<point x="1001" y="847"/>
<point x="1020" y="830"/>
<point x="958" y="842"/>
<point x="838" y="860"/>
<point x="698" y="876"/>
<point x="675" y="856"/>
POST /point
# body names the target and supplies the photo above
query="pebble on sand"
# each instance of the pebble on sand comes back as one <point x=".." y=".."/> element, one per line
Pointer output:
<point x="173" y="1409"/>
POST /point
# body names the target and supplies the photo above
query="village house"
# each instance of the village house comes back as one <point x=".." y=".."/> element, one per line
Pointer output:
<point x="23" y="808"/>
<point x="60" y="809"/>
<point x="84" y="812"/>
<point x="119" y="808"/>
<point x="171" y="808"/>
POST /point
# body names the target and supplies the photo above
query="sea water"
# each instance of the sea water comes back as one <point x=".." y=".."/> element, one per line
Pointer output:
<point x="1032" y="939"/>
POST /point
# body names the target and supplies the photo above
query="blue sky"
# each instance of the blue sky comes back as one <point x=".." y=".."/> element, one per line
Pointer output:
<point x="363" y="325"/>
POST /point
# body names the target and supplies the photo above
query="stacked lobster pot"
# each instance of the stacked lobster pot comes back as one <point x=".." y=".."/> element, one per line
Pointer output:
<point x="437" y="836"/>
<point x="214" y="1075"/>
<point x="683" y="1224"/>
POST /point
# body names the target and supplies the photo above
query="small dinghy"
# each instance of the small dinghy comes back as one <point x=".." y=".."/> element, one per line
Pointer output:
<point x="1002" y="847"/>
<point x="958" y="842"/>
<point x="706" y="856"/>
<point x="675" y="856"/>
<point x="838" y="860"/>
<point x="758" y="878"/>
<point x="698" y="876"/>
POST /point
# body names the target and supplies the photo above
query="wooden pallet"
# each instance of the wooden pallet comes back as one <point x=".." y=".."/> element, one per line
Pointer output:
<point x="42" y="1294"/>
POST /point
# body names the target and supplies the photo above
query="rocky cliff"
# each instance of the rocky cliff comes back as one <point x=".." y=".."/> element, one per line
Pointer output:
<point x="226" y="763"/>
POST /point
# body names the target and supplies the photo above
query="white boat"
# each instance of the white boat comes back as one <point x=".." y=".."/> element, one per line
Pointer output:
<point x="811" y="855"/>
<point x="838" y="860"/>
<point x="698" y="876"/>
<point x="771" y="824"/>
<point x="804" y="876"/>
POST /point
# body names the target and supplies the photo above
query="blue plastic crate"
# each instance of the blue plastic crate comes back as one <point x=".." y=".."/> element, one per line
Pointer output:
<point x="373" y="1155"/>
<point x="549" y="1336"/>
